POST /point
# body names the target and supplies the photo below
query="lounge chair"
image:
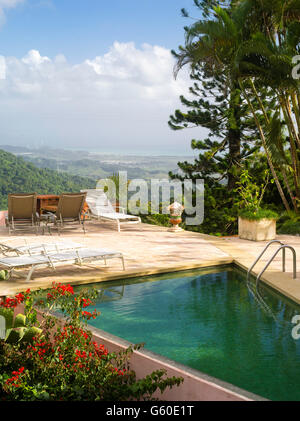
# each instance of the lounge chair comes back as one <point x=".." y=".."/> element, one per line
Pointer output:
<point x="100" y="208"/>
<point x="75" y="257"/>
<point x="22" y="212"/>
<point x="20" y="262"/>
<point x="69" y="210"/>
<point x="36" y="249"/>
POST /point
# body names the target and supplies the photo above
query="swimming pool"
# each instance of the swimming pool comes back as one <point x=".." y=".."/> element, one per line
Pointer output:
<point x="209" y="320"/>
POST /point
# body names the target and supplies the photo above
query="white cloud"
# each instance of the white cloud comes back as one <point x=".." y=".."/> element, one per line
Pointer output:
<point x="33" y="58"/>
<point x="9" y="3"/>
<point x="125" y="95"/>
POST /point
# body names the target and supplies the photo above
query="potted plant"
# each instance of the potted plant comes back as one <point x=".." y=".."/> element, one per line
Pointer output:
<point x="255" y="223"/>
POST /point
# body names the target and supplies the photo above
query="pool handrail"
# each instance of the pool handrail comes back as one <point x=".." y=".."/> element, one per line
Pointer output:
<point x="261" y="254"/>
<point x="282" y="247"/>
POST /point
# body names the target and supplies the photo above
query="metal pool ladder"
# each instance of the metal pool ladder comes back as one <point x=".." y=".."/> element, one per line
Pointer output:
<point x="282" y="247"/>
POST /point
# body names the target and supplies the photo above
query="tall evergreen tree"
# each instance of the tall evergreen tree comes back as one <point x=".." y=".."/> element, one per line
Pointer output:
<point x="233" y="140"/>
<point x="232" y="135"/>
<point x="253" y="43"/>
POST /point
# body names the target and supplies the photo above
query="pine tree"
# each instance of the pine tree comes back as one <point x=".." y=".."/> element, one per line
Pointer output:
<point x="232" y="135"/>
<point x="233" y="140"/>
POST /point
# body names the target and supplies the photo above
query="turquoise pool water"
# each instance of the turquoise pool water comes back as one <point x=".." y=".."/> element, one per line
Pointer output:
<point x="209" y="320"/>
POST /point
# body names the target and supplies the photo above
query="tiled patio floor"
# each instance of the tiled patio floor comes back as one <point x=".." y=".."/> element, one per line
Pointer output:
<point x="151" y="249"/>
<point x="146" y="248"/>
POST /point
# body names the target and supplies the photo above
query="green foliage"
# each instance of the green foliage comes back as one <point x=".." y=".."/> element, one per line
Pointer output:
<point x="259" y="214"/>
<point x="231" y="136"/>
<point x="18" y="329"/>
<point x="156" y="219"/>
<point x="3" y="275"/>
<point x="289" y="223"/>
<point x="18" y="176"/>
<point x="63" y="362"/>
<point x="251" y="193"/>
<point x="116" y="179"/>
<point x="252" y="43"/>
<point x="220" y="214"/>
<point x="290" y="227"/>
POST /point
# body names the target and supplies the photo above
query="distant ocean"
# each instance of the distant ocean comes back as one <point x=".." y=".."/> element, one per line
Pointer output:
<point x="137" y="152"/>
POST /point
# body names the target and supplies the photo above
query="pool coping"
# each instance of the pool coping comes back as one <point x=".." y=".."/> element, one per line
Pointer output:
<point x="276" y="279"/>
<point x="280" y="281"/>
<point x="112" y="276"/>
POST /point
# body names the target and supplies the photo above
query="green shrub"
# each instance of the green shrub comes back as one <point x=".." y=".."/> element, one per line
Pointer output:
<point x="62" y="362"/>
<point x="157" y="219"/>
<point x="290" y="227"/>
<point x="288" y="223"/>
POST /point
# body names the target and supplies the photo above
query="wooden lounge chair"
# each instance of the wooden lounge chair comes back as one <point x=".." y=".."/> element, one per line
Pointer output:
<point x="73" y="257"/>
<point x="22" y="212"/>
<point x="69" y="210"/>
<point x="101" y="208"/>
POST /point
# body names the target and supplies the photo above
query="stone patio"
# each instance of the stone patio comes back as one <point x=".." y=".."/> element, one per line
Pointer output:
<point x="150" y="249"/>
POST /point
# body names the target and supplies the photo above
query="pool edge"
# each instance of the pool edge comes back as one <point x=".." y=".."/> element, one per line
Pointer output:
<point x="197" y="386"/>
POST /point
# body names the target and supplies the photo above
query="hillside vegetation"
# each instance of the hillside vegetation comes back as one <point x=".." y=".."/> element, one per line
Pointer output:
<point x="18" y="176"/>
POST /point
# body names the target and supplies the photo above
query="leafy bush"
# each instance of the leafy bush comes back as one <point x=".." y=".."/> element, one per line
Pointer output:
<point x="290" y="227"/>
<point x="63" y="363"/>
<point x="289" y="223"/>
<point x="251" y="194"/>
<point x="157" y="219"/>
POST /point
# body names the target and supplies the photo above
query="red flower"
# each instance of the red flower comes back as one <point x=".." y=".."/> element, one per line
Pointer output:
<point x="20" y="297"/>
<point x="86" y="302"/>
<point x="16" y="374"/>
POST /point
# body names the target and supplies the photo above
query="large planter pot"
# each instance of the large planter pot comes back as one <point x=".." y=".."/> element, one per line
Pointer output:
<point x="260" y="230"/>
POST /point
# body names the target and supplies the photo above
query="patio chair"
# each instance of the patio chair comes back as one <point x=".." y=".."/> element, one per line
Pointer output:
<point x="78" y="257"/>
<point x="86" y="255"/>
<point x="69" y="210"/>
<point x="36" y="249"/>
<point x="22" y="212"/>
<point x="100" y="208"/>
<point x="20" y="262"/>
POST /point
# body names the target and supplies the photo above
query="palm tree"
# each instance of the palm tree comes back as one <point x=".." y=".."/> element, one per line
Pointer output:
<point x="265" y="59"/>
<point x="253" y="43"/>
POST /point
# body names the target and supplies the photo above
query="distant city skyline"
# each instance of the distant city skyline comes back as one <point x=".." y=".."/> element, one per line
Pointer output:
<point x="92" y="74"/>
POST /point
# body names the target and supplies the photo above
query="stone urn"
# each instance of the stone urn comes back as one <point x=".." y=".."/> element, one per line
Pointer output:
<point x="175" y="210"/>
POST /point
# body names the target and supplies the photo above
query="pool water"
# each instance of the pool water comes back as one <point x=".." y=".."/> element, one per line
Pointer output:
<point x="209" y="320"/>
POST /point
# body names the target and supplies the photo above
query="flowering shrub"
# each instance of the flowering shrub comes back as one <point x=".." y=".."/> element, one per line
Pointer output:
<point x="62" y="362"/>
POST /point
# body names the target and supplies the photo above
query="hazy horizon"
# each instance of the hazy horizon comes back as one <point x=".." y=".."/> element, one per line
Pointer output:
<point x="100" y="151"/>
<point x="93" y="74"/>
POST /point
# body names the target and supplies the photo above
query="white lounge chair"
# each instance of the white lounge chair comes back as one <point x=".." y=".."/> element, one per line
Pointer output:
<point x="79" y="257"/>
<point x="36" y="249"/>
<point x="101" y="208"/>
<point x="20" y="262"/>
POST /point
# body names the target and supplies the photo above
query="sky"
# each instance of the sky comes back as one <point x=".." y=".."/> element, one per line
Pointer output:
<point x="93" y="74"/>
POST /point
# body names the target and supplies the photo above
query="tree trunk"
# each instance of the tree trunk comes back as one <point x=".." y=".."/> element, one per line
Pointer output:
<point x="234" y="138"/>
<point x="262" y="136"/>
